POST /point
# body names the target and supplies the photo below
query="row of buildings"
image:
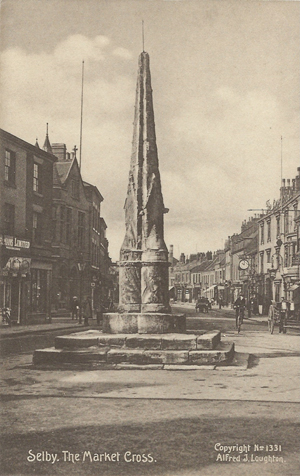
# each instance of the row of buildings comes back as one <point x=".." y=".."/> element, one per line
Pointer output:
<point x="53" y="242"/>
<point x="262" y="261"/>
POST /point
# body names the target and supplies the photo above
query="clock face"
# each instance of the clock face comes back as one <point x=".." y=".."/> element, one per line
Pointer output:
<point x="244" y="264"/>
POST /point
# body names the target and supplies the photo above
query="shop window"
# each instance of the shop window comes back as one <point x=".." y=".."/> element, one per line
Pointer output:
<point x="38" y="290"/>
<point x="9" y="219"/>
<point x="10" y="167"/>
<point x="37" y="228"/>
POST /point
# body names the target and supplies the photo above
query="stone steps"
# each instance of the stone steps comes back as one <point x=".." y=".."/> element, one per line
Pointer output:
<point x="203" y="341"/>
<point x="95" y="349"/>
<point x="95" y="355"/>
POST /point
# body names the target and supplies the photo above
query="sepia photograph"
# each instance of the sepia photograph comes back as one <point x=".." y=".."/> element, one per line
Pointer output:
<point x="150" y="237"/>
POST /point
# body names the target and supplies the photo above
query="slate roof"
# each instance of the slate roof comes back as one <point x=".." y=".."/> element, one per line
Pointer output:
<point x="61" y="171"/>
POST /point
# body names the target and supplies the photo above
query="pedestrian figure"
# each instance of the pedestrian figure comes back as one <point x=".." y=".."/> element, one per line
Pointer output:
<point x="283" y="312"/>
<point x="239" y="307"/>
<point x="74" y="307"/>
<point x="87" y="311"/>
<point x="99" y="313"/>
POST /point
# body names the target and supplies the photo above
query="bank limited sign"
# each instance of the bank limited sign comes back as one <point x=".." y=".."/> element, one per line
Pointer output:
<point x="14" y="243"/>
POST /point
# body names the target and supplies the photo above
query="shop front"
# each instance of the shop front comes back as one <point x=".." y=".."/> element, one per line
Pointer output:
<point x="25" y="290"/>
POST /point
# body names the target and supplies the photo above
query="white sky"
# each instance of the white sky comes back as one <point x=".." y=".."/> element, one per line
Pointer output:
<point x="225" y="78"/>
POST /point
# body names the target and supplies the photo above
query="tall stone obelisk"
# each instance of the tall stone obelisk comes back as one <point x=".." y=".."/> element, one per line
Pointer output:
<point x="143" y="267"/>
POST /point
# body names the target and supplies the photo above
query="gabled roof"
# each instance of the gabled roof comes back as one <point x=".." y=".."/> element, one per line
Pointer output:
<point x="63" y="170"/>
<point x="94" y="188"/>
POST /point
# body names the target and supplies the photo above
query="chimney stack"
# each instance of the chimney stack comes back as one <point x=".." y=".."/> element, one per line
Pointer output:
<point x="60" y="151"/>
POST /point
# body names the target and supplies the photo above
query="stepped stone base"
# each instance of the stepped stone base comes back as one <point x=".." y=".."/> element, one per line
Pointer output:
<point x="143" y="323"/>
<point x="95" y="349"/>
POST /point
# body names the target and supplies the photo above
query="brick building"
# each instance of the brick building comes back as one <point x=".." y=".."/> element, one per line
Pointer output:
<point x="53" y="242"/>
<point x="26" y="187"/>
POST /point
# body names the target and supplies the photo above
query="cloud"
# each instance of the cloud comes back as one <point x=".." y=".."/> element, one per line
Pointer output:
<point x="122" y="53"/>
<point x="78" y="47"/>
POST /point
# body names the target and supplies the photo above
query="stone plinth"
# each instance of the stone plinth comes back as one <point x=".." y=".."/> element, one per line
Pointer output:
<point x="143" y="323"/>
<point x="93" y="349"/>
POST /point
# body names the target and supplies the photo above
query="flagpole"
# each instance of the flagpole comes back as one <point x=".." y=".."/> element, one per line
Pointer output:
<point x="80" y="145"/>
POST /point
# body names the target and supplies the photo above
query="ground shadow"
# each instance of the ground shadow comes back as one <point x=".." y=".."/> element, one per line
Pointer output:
<point x="176" y="446"/>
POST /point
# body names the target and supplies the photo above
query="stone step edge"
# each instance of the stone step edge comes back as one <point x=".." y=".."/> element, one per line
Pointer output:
<point x="127" y="356"/>
<point x="204" y="341"/>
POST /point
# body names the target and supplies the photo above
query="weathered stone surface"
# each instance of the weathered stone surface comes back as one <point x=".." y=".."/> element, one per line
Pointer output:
<point x="203" y="357"/>
<point x="188" y="367"/>
<point x="112" y="340"/>
<point x="167" y="356"/>
<point x="75" y="341"/>
<point x="179" y="342"/>
<point x="144" y="342"/>
<point x="154" y="285"/>
<point x="176" y="357"/>
<point x="210" y="340"/>
<point x="58" y="356"/>
<point x="117" y="323"/>
<point x="130" y="282"/>
<point x="160" y="323"/>
<point x="126" y="366"/>
<point x="144" y="289"/>
<point x="143" y="323"/>
<point x="135" y="356"/>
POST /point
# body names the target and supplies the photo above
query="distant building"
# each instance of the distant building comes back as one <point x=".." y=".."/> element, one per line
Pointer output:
<point x="279" y="245"/>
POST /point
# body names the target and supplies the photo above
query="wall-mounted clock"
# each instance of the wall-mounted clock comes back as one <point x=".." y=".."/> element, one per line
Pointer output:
<point x="244" y="264"/>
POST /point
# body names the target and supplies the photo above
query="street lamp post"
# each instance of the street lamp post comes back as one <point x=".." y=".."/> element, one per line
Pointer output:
<point x="81" y="266"/>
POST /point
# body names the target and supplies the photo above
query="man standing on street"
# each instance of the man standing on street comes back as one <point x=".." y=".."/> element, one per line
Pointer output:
<point x="87" y="311"/>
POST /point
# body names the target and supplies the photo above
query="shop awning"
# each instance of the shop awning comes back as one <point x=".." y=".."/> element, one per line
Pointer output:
<point x="210" y="289"/>
<point x="171" y="287"/>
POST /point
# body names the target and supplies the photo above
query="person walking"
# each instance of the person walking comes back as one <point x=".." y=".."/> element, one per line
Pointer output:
<point x="74" y="307"/>
<point x="87" y="311"/>
<point x="99" y="313"/>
